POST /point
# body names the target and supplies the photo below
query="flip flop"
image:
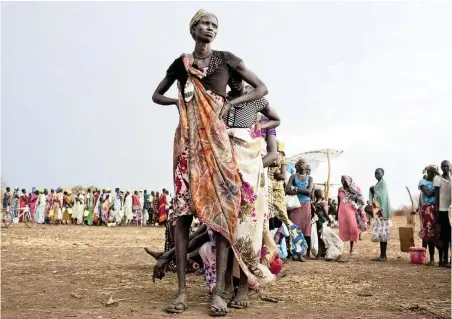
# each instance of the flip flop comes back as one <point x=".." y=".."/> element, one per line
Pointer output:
<point x="216" y="312"/>
<point x="172" y="307"/>
<point x="235" y="304"/>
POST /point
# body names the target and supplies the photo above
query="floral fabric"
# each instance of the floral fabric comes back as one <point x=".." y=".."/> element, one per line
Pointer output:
<point x="430" y="226"/>
<point x="207" y="180"/>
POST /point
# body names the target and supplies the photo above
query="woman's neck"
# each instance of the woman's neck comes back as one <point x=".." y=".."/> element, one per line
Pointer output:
<point x="202" y="49"/>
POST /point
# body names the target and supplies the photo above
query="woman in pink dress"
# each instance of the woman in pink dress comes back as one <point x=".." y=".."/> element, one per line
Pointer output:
<point x="350" y="205"/>
<point x="33" y="200"/>
<point x="23" y="202"/>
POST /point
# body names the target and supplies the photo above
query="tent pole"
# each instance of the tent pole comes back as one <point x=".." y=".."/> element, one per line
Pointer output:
<point x="327" y="193"/>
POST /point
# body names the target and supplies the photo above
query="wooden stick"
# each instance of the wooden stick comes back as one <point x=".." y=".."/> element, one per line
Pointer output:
<point x="327" y="192"/>
<point x="411" y="198"/>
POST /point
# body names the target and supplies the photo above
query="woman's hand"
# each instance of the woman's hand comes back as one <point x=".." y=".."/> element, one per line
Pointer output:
<point x="264" y="125"/>
<point x="225" y="110"/>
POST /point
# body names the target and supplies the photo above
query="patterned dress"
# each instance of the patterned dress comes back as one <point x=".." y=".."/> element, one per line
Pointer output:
<point x="430" y="230"/>
<point x="206" y="175"/>
<point x="381" y="208"/>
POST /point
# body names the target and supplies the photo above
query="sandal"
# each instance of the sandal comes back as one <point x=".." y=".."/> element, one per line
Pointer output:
<point x="379" y="259"/>
<point x="173" y="308"/>
<point x="239" y="304"/>
<point x="216" y="311"/>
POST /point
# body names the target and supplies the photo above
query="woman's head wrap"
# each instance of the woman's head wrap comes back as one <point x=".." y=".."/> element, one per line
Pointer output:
<point x="429" y="167"/>
<point x="201" y="13"/>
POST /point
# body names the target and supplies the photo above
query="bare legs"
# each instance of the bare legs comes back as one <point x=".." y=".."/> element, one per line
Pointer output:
<point x="181" y="242"/>
<point x="383" y="247"/>
<point x="219" y="305"/>
<point x="431" y="250"/>
<point x="241" y="297"/>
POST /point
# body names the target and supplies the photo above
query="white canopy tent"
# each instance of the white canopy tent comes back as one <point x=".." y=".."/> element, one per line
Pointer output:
<point x="314" y="158"/>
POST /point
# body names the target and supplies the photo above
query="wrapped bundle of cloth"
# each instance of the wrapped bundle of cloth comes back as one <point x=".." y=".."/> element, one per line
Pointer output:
<point x="333" y="244"/>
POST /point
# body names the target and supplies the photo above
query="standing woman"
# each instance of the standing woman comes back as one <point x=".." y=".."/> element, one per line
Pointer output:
<point x="245" y="133"/>
<point x="300" y="184"/>
<point x="443" y="201"/>
<point x="68" y="202"/>
<point x="276" y="192"/>
<point x="41" y="207"/>
<point x="89" y="207"/>
<point x="430" y="228"/>
<point x="58" y="206"/>
<point x="162" y="208"/>
<point x="381" y="207"/>
<point x="350" y="203"/>
<point x="136" y="207"/>
<point x="50" y="213"/>
<point x="23" y="202"/>
<point x="15" y="204"/>
<point x="128" y="207"/>
<point x="33" y="200"/>
<point x="320" y="211"/>
<point x="202" y="78"/>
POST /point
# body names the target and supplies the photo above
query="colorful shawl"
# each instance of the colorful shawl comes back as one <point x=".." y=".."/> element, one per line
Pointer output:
<point x="382" y="198"/>
<point x="162" y="208"/>
<point x="353" y="193"/>
<point x="49" y="204"/>
<point x="202" y="143"/>
<point x="354" y="197"/>
<point x="214" y="177"/>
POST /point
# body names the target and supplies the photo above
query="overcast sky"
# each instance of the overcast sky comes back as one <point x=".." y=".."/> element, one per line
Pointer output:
<point x="374" y="79"/>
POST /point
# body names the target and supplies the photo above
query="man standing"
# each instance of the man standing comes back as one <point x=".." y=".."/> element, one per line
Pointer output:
<point x="443" y="201"/>
<point x="7" y="199"/>
<point x="146" y="206"/>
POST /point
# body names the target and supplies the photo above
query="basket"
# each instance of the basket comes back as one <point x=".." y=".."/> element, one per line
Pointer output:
<point x="417" y="255"/>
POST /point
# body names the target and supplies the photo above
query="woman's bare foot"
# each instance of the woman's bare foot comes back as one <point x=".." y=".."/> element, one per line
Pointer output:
<point x="219" y="307"/>
<point x="240" y="300"/>
<point x="179" y="304"/>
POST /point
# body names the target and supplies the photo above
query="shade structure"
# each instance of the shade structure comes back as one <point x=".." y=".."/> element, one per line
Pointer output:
<point x="314" y="158"/>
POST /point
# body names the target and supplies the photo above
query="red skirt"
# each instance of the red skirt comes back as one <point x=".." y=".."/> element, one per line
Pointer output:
<point x="301" y="217"/>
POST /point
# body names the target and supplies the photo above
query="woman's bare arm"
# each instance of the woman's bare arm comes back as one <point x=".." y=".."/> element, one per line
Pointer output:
<point x="289" y="190"/>
<point x="272" y="153"/>
<point x="282" y="174"/>
<point x="159" y="95"/>
<point x="426" y="191"/>
<point x="260" y="89"/>
<point x="273" y="118"/>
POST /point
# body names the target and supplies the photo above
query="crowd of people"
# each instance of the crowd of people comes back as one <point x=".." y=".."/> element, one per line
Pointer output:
<point x="90" y="207"/>
<point x="230" y="172"/>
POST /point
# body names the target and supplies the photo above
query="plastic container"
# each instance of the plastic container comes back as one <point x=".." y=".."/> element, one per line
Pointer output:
<point x="417" y="255"/>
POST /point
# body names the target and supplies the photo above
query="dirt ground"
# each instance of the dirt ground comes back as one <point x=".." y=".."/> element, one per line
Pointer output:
<point x="71" y="272"/>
